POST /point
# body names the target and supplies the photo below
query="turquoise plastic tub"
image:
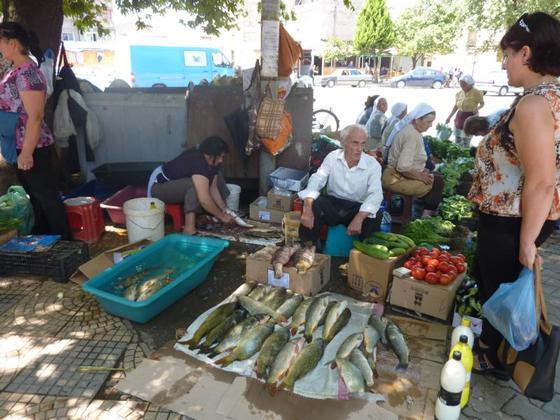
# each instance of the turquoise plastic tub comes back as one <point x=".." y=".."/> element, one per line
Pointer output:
<point x="198" y="254"/>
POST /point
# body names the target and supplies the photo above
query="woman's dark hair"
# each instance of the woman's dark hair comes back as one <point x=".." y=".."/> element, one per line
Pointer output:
<point x="475" y="125"/>
<point x="541" y="33"/>
<point x="27" y="39"/>
<point x="213" y="146"/>
<point x="370" y="100"/>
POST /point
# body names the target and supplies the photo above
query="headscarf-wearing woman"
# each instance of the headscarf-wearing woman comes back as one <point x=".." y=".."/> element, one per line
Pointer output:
<point x="517" y="170"/>
<point x="375" y="124"/>
<point x="467" y="102"/>
<point x="406" y="171"/>
<point x="398" y="112"/>
<point x="368" y="109"/>
<point x="23" y="92"/>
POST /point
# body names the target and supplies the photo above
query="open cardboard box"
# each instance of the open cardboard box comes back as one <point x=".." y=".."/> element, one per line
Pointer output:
<point x="280" y="201"/>
<point x="258" y="210"/>
<point x="103" y="261"/>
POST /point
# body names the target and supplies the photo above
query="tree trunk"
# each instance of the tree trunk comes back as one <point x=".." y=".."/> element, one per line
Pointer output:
<point x="43" y="17"/>
<point x="415" y="58"/>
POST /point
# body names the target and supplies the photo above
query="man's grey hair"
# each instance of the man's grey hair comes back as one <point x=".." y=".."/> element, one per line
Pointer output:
<point x="349" y="128"/>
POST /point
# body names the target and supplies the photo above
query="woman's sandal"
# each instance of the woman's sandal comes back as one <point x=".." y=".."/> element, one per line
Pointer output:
<point x="486" y="369"/>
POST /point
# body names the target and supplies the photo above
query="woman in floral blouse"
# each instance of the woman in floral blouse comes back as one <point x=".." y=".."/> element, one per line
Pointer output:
<point x="517" y="179"/>
<point x="23" y="91"/>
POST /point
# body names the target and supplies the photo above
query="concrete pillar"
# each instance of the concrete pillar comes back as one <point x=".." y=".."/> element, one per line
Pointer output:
<point x="270" y="27"/>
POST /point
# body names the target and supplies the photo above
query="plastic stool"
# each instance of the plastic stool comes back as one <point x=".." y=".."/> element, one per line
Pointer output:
<point x="406" y="214"/>
<point x="177" y="215"/>
<point x="338" y="243"/>
<point x="85" y="218"/>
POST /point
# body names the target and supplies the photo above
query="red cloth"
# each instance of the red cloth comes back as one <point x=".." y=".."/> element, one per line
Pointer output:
<point x="289" y="52"/>
<point x="461" y="117"/>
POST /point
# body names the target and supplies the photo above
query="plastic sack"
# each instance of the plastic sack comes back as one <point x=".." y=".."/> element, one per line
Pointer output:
<point x="512" y="311"/>
<point x="443" y="132"/>
<point x="47" y="67"/>
<point x="15" y="204"/>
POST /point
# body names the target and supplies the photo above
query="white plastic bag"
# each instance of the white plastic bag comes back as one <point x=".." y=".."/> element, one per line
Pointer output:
<point x="47" y="67"/>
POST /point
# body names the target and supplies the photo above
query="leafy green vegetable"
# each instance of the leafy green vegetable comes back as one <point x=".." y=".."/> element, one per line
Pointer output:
<point x="431" y="230"/>
<point x="445" y="149"/>
<point x="455" y="208"/>
<point x="452" y="172"/>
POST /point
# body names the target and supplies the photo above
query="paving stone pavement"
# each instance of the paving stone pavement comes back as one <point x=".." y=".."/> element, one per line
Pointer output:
<point x="36" y="314"/>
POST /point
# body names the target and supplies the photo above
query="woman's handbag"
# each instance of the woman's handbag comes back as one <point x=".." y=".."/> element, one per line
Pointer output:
<point x="534" y="369"/>
<point x="269" y="116"/>
<point x="8" y="123"/>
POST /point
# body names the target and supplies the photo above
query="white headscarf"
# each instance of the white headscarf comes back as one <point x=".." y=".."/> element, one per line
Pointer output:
<point x="419" y="111"/>
<point x="396" y="110"/>
<point x="468" y="79"/>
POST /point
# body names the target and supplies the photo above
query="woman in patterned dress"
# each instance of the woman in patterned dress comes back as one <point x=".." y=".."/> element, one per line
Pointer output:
<point x="23" y="90"/>
<point x="517" y="177"/>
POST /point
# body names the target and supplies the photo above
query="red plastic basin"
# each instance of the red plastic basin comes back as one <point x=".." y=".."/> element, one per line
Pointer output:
<point x="114" y="204"/>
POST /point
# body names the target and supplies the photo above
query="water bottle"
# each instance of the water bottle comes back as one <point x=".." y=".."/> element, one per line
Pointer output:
<point x="467" y="360"/>
<point x="452" y="381"/>
<point x="462" y="329"/>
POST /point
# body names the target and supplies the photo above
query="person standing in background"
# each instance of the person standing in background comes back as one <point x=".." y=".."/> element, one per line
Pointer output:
<point x="375" y="124"/>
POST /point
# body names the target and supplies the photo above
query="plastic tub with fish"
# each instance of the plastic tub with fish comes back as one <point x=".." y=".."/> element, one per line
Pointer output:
<point x="142" y="285"/>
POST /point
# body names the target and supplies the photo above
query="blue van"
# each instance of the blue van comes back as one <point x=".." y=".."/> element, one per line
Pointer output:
<point x="160" y="66"/>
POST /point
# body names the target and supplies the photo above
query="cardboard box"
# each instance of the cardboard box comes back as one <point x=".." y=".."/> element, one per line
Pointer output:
<point x="7" y="235"/>
<point x="258" y="268"/>
<point x="258" y="210"/>
<point x="476" y="323"/>
<point x="280" y="201"/>
<point x="371" y="276"/>
<point x="103" y="261"/>
<point x="429" y="299"/>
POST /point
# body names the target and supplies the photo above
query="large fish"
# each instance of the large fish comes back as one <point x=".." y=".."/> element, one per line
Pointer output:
<point x="269" y="350"/>
<point x="353" y="341"/>
<point x="304" y="258"/>
<point x="329" y="306"/>
<point x="275" y="298"/>
<point x="234" y="335"/>
<point x="211" y="321"/>
<point x="371" y="337"/>
<point x="282" y="257"/>
<point x="359" y="360"/>
<point x="313" y="316"/>
<point x="145" y="286"/>
<point x="298" y="318"/>
<point x="304" y="363"/>
<point x="398" y="344"/>
<point x="380" y="324"/>
<point x="290" y="305"/>
<point x="220" y="330"/>
<point x="255" y="307"/>
<point x="337" y="317"/>
<point x="283" y="361"/>
<point x="244" y="289"/>
<point x="351" y="375"/>
<point x="250" y="343"/>
<point x="258" y="292"/>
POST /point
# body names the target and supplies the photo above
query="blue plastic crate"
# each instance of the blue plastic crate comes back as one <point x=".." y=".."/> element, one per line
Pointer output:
<point x="206" y="251"/>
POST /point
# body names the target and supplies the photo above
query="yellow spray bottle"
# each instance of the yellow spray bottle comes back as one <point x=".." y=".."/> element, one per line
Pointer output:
<point x="467" y="360"/>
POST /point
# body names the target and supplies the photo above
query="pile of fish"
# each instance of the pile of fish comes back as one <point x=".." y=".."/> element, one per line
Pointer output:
<point x="141" y="285"/>
<point x="278" y="326"/>
<point x="303" y="258"/>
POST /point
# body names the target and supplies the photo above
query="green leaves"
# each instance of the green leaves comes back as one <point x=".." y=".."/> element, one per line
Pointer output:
<point x="455" y="208"/>
<point x="375" y="31"/>
<point x="337" y="49"/>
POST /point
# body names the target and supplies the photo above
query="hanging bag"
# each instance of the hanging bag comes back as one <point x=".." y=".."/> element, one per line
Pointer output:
<point x="534" y="369"/>
<point x="283" y="140"/>
<point x="269" y="116"/>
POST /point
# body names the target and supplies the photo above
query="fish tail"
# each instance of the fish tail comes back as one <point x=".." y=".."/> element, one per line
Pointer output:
<point x="192" y="343"/>
<point x="402" y="366"/>
<point x="308" y="337"/>
<point x="272" y="389"/>
<point x="293" y="330"/>
<point x="224" y="361"/>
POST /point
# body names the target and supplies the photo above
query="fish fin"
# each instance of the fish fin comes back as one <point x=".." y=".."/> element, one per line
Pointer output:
<point x="224" y="361"/>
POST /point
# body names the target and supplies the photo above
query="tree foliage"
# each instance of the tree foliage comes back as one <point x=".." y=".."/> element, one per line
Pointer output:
<point x="429" y="27"/>
<point x="338" y="49"/>
<point x="492" y="17"/>
<point x="375" y="31"/>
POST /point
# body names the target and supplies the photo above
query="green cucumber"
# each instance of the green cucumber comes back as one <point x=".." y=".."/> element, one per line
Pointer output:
<point x="397" y="252"/>
<point x="405" y="239"/>
<point x="385" y="235"/>
<point x="371" y="250"/>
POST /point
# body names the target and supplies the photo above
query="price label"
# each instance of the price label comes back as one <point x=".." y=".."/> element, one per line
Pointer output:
<point x="264" y="215"/>
<point x="283" y="281"/>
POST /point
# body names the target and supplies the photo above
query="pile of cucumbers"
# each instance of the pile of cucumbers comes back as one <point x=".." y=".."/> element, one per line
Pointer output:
<point x="384" y="245"/>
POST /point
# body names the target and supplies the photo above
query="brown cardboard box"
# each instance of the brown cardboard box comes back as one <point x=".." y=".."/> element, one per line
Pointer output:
<point x="103" y="261"/>
<point x="279" y="201"/>
<point x="429" y="299"/>
<point x="259" y="211"/>
<point x="371" y="276"/>
<point x="258" y="268"/>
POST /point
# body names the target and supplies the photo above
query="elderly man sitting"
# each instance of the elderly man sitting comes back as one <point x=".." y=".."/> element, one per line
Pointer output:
<point x="354" y="193"/>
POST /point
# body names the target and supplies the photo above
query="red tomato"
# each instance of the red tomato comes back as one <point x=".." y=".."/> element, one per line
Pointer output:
<point x="408" y="264"/>
<point x="431" y="268"/>
<point x="422" y="251"/>
<point x="444" y="267"/>
<point x="460" y="268"/>
<point x="435" y="251"/>
<point x="455" y="260"/>
<point x="447" y="254"/>
<point x="443" y="258"/>
<point x="431" y="278"/>
<point x="426" y="259"/>
<point x="438" y="274"/>
<point x="434" y="262"/>
<point x="444" y="279"/>
<point x="418" y="273"/>
<point x="452" y="275"/>
<point x="461" y="256"/>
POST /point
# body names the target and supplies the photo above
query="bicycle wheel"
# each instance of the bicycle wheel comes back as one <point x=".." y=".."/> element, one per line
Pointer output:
<point x="324" y="121"/>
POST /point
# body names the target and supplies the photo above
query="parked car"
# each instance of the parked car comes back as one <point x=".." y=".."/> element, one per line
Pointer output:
<point x="352" y="77"/>
<point x="420" y="76"/>
<point x="497" y="82"/>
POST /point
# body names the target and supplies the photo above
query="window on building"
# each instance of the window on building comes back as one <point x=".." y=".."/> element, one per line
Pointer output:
<point x="91" y="36"/>
<point x="195" y="58"/>
<point x="67" y="36"/>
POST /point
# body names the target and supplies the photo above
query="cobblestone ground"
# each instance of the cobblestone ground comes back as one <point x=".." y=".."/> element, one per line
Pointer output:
<point x="48" y="330"/>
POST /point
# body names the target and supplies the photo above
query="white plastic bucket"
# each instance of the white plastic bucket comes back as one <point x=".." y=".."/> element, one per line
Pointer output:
<point x="144" y="218"/>
<point x="233" y="198"/>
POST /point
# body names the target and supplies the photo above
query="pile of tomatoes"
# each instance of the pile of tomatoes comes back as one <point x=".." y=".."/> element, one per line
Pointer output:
<point x="435" y="266"/>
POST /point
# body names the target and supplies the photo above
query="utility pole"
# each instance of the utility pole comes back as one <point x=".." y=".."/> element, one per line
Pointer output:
<point x="270" y="31"/>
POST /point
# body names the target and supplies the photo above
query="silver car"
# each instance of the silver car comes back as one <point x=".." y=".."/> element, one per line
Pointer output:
<point x="352" y="77"/>
<point x="496" y="82"/>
